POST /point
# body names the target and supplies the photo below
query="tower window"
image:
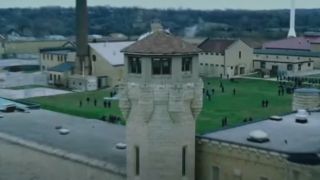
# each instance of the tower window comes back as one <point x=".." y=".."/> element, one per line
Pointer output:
<point x="94" y="58"/>
<point x="184" y="156"/>
<point x="161" y="66"/>
<point x="240" y="54"/>
<point x="137" y="160"/>
<point x="134" y="65"/>
<point x="187" y="64"/>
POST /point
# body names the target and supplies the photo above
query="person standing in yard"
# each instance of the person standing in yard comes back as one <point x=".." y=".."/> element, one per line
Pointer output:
<point x="267" y="103"/>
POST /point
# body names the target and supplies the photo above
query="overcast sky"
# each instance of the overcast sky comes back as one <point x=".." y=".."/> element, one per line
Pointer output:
<point x="194" y="4"/>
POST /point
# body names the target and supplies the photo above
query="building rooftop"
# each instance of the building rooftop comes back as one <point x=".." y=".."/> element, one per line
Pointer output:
<point x="283" y="52"/>
<point x="57" y="50"/>
<point x="90" y="138"/>
<point x="65" y="67"/>
<point x="111" y="51"/>
<point x="18" y="62"/>
<point x="298" y="43"/>
<point x="285" y="136"/>
<point x="216" y="45"/>
<point x="161" y="43"/>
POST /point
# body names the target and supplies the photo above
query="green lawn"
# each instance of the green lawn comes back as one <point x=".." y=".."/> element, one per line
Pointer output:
<point x="70" y="104"/>
<point x="246" y="103"/>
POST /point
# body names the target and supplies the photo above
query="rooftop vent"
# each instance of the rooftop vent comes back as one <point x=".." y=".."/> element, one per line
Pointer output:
<point x="302" y="116"/>
<point x="121" y="146"/>
<point x="258" y="136"/>
<point x="275" y="118"/>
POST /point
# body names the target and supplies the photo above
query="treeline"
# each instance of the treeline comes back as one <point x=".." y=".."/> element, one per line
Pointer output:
<point x="135" y="21"/>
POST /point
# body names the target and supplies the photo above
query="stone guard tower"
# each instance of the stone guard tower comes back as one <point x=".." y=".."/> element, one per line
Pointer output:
<point x="161" y="98"/>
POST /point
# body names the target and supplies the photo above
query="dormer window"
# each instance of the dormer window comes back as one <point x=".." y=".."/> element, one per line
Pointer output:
<point x="134" y="65"/>
<point x="161" y="66"/>
<point x="187" y="64"/>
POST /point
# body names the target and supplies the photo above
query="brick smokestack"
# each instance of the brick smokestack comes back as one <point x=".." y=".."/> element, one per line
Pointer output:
<point x="82" y="36"/>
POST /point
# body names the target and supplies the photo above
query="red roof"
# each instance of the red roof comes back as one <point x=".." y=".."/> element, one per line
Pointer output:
<point x="216" y="45"/>
<point x="298" y="43"/>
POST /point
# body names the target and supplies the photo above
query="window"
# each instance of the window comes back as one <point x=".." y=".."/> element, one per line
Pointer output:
<point x="231" y="67"/>
<point x="50" y="77"/>
<point x="43" y="56"/>
<point x="137" y="160"/>
<point x="217" y="65"/>
<point x="217" y="54"/>
<point x="59" y="77"/>
<point x="298" y="58"/>
<point x="287" y="57"/>
<point x="309" y="64"/>
<point x="51" y="57"/>
<point x="65" y="58"/>
<point x="207" y="53"/>
<point x="134" y="65"/>
<point x="186" y="64"/>
<point x="262" y="65"/>
<point x="94" y="58"/>
<point x="267" y="57"/>
<point x="184" y="156"/>
<point x="201" y="64"/>
<point x="299" y="67"/>
<point x="277" y="57"/>
<point x="240" y="54"/>
<point x="161" y="66"/>
<point x="215" y="173"/>
<point x="264" y="178"/>
<point x="206" y="64"/>
<point x="289" y="67"/>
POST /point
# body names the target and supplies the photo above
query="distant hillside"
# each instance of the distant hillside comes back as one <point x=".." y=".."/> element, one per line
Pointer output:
<point x="135" y="21"/>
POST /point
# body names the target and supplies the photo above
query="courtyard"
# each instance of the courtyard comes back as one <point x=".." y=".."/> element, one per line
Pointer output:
<point x="245" y="104"/>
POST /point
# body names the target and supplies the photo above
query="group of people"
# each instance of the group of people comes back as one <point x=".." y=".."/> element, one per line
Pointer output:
<point x="209" y="94"/>
<point x="106" y="104"/>
<point x="111" y="119"/>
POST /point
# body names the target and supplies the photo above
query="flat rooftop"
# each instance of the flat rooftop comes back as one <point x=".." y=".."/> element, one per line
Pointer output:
<point x="90" y="138"/>
<point x="285" y="136"/>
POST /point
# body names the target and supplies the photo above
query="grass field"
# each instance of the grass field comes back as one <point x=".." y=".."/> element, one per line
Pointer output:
<point x="246" y="103"/>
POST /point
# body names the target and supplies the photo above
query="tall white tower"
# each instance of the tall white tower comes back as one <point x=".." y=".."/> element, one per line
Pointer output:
<point x="161" y="98"/>
<point x="292" y="31"/>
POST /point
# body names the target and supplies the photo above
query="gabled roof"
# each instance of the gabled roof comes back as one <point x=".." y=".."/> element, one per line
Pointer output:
<point x="111" y="51"/>
<point x="55" y="49"/>
<point x="216" y="45"/>
<point x="65" y="67"/>
<point x="298" y="43"/>
<point x="161" y="43"/>
<point x="281" y="52"/>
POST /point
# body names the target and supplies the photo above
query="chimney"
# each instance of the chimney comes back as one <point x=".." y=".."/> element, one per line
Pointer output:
<point x="292" y="31"/>
<point x="81" y="34"/>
